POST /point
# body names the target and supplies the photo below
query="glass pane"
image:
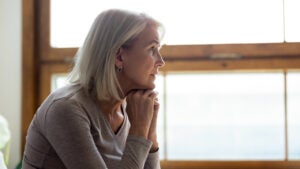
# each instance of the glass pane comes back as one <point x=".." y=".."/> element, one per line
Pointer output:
<point x="293" y="88"/>
<point x="186" y="22"/>
<point x="58" y="80"/>
<point x="160" y="122"/>
<point x="225" y="116"/>
<point x="292" y="24"/>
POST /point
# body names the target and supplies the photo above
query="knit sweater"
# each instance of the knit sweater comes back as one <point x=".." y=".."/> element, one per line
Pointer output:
<point x="69" y="131"/>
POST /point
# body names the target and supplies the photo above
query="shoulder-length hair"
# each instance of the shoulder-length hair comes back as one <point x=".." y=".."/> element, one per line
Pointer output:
<point x="94" y="67"/>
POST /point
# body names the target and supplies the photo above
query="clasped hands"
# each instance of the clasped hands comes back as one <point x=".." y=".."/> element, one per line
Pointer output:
<point x="142" y="109"/>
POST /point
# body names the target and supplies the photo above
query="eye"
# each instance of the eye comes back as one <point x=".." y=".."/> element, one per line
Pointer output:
<point x="153" y="49"/>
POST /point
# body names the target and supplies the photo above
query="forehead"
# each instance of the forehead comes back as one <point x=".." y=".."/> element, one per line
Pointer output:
<point x="148" y="35"/>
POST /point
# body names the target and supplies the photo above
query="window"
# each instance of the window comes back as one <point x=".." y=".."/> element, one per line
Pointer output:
<point x="203" y="23"/>
<point x="225" y="116"/>
<point x="246" y="68"/>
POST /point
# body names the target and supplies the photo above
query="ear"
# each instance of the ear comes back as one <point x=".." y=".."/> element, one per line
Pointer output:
<point x="118" y="58"/>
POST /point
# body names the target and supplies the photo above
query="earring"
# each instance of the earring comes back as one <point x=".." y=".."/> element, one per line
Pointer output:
<point x="120" y="69"/>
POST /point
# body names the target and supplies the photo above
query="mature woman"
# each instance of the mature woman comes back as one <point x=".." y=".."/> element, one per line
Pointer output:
<point x="106" y="117"/>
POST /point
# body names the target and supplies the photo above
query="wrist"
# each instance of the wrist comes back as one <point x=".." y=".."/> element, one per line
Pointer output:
<point x="154" y="149"/>
<point x="140" y="133"/>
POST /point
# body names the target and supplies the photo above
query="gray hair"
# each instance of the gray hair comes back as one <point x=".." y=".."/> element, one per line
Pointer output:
<point x="95" y="61"/>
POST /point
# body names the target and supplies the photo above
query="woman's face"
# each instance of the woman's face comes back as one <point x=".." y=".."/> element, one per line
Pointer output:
<point x="141" y="61"/>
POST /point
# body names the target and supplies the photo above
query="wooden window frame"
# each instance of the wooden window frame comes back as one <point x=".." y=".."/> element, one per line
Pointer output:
<point x="40" y="61"/>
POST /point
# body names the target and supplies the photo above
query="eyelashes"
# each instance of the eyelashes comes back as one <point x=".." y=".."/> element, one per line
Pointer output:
<point x="153" y="50"/>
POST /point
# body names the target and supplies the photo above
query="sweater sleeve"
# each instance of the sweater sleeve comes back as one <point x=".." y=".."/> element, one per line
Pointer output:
<point x="136" y="154"/>
<point x="152" y="161"/>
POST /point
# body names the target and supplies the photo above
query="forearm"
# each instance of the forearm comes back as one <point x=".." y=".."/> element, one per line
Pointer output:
<point x="136" y="152"/>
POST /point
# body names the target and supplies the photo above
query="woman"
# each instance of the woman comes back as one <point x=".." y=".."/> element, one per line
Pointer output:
<point x="106" y="117"/>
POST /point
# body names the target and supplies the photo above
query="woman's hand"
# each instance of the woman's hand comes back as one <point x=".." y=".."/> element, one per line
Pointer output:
<point x="152" y="131"/>
<point x="141" y="109"/>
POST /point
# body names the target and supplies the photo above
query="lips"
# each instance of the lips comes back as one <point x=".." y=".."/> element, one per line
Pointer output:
<point x="153" y="75"/>
<point x="155" y="72"/>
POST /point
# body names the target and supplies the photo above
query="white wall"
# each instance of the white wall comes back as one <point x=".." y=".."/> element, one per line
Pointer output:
<point x="10" y="72"/>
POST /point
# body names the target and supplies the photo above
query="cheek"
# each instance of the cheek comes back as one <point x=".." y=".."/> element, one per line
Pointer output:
<point x="140" y="62"/>
<point x="145" y="65"/>
<point x="149" y="62"/>
<point x="140" y="70"/>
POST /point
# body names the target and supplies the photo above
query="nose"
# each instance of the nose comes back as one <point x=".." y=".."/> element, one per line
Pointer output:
<point x="160" y="60"/>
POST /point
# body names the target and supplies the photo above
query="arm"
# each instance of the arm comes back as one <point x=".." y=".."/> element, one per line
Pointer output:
<point x="142" y="109"/>
<point x="153" y="161"/>
<point x="136" y="152"/>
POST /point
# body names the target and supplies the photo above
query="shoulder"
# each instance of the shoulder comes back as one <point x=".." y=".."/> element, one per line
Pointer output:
<point x="59" y="99"/>
<point x="61" y="106"/>
<point x="66" y="103"/>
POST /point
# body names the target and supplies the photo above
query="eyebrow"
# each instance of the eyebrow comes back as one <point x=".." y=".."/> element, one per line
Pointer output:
<point x="154" y="41"/>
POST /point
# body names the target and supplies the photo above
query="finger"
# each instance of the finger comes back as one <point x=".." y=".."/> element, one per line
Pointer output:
<point x="156" y="103"/>
<point x="131" y="93"/>
<point x="148" y="93"/>
<point x="153" y="95"/>
<point x="136" y="94"/>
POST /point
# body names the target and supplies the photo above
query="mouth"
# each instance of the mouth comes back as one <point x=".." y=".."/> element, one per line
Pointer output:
<point x="153" y="75"/>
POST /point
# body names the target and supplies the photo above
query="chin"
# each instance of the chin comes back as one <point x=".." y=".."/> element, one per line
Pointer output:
<point x="151" y="85"/>
<point x="147" y="86"/>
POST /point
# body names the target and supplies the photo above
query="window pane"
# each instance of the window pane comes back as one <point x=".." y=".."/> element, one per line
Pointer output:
<point x="293" y="88"/>
<point x="58" y="80"/>
<point x="160" y="122"/>
<point x="225" y="116"/>
<point x="186" y="22"/>
<point x="292" y="24"/>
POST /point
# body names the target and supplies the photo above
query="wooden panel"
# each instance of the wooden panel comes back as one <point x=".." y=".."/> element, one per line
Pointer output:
<point x="232" y="50"/>
<point x="233" y="64"/>
<point x="230" y="164"/>
<point x="43" y="25"/>
<point x="200" y="52"/>
<point x="29" y="73"/>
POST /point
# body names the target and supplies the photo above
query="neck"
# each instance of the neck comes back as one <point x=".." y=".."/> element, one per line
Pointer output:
<point x="109" y="107"/>
<point x="113" y="113"/>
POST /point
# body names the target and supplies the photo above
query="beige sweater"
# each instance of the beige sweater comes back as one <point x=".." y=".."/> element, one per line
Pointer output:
<point x="69" y="132"/>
